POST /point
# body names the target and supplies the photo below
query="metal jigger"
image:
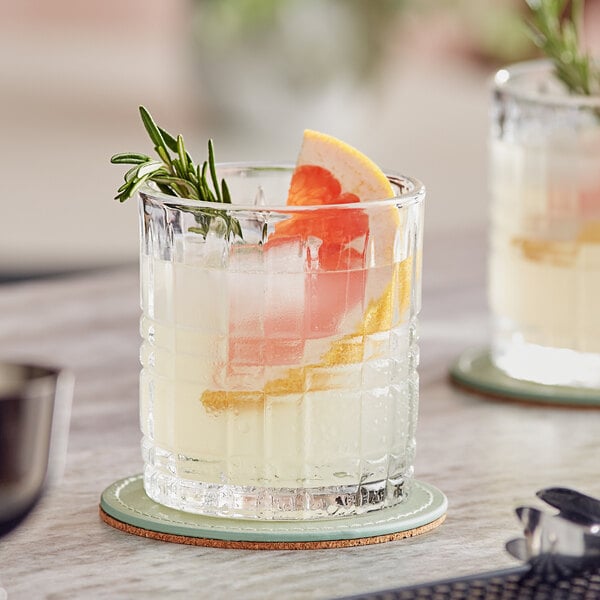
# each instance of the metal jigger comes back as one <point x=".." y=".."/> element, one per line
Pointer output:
<point x="34" y="415"/>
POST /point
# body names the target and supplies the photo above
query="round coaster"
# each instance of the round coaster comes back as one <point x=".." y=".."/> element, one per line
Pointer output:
<point x="125" y="506"/>
<point x="475" y="371"/>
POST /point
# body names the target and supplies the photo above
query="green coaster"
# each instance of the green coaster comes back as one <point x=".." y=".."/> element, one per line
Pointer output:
<point x="125" y="505"/>
<point x="475" y="371"/>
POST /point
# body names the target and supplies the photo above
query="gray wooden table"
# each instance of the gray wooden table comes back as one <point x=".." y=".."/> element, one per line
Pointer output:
<point x="486" y="456"/>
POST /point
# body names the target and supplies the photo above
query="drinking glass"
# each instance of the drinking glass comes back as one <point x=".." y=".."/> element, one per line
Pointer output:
<point x="544" y="287"/>
<point x="279" y="349"/>
<point x="34" y="413"/>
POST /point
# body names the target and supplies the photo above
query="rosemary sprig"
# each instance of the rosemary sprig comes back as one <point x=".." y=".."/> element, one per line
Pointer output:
<point x="555" y="28"/>
<point x="176" y="174"/>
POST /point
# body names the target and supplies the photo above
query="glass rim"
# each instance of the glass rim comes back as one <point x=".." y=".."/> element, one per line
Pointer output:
<point x="414" y="194"/>
<point x="504" y="79"/>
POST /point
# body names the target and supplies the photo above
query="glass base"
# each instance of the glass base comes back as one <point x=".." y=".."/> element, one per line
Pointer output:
<point x="550" y="366"/>
<point x="268" y="503"/>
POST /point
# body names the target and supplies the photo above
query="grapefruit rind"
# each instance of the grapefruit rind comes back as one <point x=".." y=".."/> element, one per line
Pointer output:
<point x="357" y="173"/>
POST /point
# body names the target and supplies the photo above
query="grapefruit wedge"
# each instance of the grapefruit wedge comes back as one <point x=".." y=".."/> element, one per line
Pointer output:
<point x="328" y="172"/>
<point x="356" y="174"/>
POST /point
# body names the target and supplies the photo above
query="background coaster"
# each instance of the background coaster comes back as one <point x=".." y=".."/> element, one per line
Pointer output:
<point x="475" y="371"/>
<point x="125" y="506"/>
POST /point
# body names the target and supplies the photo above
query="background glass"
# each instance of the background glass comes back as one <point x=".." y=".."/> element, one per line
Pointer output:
<point x="545" y="230"/>
<point x="279" y="372"/>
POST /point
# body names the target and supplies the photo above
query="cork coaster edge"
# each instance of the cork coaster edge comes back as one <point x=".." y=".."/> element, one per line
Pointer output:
<point x="249" y="545"/>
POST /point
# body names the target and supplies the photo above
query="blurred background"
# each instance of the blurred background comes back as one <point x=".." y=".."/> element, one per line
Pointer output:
<point x="405" y="81"/>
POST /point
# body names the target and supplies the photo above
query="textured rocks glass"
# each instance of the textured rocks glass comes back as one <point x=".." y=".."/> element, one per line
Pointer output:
<point x="545" y="229"/>
<point x="279" y="370"/>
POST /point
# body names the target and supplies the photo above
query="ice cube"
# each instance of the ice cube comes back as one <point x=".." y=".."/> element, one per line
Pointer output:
<point x="267" y="303"/>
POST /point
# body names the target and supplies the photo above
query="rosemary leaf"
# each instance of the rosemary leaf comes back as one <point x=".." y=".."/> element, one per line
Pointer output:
<point x="213" y="171"/>
<point x="178" y="168"/>
<point x="169" y="140"/>
<point x="555" y="29"/>
<point x="131" y="189"/>
<point x="129" y="158"/>
<point x="183" y="159"/>
<point x="191" y="173"/>
<point x="149" y="167"/>
<point x="152" y="128"/>
<point x="178" y="183"/>
<point x="206" y="194"/>
<point x="131" y="173"/>
<point x="163" y="154"/>
<point x="225" y="192"/>
<point x="178" y="175"/>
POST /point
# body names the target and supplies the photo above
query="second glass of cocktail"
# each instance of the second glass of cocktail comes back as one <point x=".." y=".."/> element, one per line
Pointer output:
<point x="279" y="343"/>
<point x="545" y="236"/>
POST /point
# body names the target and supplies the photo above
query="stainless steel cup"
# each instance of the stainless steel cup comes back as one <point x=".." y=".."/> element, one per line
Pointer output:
<point x="34" y="414"/>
